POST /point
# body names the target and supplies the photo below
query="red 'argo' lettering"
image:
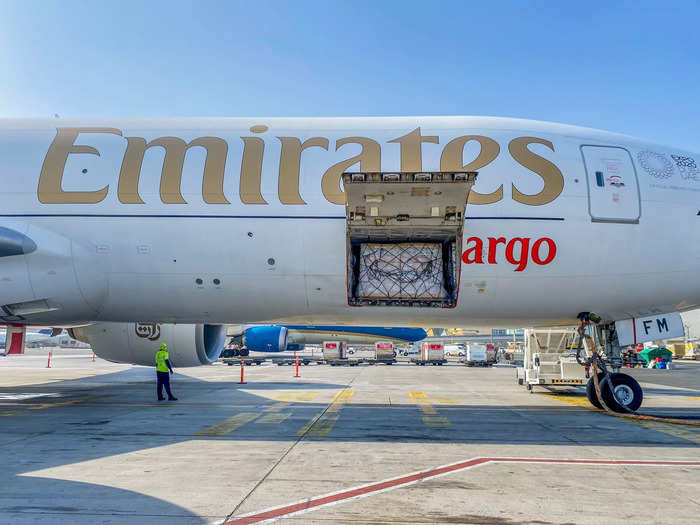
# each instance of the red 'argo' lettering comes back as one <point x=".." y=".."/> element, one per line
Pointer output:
<point x="550" y="254"/>
<point x="510" y="252"/>
<point x="517" y="252"/>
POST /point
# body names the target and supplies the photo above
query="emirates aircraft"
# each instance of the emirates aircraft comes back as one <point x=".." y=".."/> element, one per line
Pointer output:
<point x="137" y="231"/>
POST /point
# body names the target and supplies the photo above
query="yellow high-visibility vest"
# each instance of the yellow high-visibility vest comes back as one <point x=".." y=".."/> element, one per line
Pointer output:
<point x="161" y="356"/>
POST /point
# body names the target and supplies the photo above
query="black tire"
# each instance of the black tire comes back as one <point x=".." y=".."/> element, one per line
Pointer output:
<point x="621" y="393"/>
<point x="244" y="352"/>
<point x="591" y="393"/>
<point x="520" y="381"/>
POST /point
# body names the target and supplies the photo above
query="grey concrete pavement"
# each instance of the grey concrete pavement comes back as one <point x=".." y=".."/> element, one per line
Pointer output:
<point x="86" y="442"/>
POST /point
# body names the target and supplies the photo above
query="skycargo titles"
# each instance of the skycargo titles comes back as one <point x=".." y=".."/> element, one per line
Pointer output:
<point x="518" y="251"/>
<point x="50" y="189"/>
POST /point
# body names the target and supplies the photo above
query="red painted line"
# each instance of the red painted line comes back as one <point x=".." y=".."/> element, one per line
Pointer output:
<point x="328" y="499"/>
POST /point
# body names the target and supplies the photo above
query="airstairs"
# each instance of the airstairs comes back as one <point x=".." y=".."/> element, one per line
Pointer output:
<point x="404" y="237"/>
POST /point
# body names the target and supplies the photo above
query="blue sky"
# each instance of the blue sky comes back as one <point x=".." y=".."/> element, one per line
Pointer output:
<point x="630" y="67"/>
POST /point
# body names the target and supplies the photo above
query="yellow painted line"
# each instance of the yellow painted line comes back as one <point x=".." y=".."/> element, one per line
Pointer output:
<point x="296" y="396"/>
<point x="443" y="401"/>
<point x="673" y="430"/>
<point x="435" y="420"/>
<point x="323" y="423"/>
<point x="667" y="428"/>
<point x="344" y="396"/>
<point x="430" y="416"/>
<point x="42" y="406"/>
<point x="228" y="425"/>
<point x="571" y="399"/>
<point x="693" y="397"/>
<point x="273" y="417"/>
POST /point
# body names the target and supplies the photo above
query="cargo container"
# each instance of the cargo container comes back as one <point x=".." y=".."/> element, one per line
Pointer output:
<point x="384" y="352"/>
<point x="335" y="351"/>
<point x="431" y="353"/>
<point x="476" y="355"/>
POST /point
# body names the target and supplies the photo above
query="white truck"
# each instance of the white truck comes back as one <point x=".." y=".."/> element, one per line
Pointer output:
<point x="431" y="354"/>
<point x="476" y="355"/>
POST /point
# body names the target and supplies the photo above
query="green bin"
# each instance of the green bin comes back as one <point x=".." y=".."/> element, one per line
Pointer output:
<point x="651" y="353"/>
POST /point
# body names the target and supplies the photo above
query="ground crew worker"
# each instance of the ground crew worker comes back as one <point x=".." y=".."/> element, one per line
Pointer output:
<point x="163" y="371"/>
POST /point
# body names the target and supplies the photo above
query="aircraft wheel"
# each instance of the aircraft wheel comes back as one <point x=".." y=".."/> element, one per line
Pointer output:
<point x="621" y="393"/>
<point x="591" y="393"/>
<point x="628" y="395"/>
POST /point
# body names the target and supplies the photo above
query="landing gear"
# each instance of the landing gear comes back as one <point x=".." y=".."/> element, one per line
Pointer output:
<point x="621" y="392"/>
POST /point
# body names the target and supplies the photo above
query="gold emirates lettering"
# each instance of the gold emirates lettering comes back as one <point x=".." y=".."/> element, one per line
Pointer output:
<point x="50" y="188"/>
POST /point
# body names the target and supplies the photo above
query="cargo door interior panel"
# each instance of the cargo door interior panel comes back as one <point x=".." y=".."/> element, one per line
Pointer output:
<point x="404" y="237"/>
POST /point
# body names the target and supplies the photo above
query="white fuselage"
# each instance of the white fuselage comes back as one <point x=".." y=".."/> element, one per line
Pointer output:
<point x="258" y="233"/>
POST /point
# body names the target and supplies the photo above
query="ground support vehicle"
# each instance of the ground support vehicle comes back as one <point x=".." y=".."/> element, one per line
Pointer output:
<point x="549" y="359"/>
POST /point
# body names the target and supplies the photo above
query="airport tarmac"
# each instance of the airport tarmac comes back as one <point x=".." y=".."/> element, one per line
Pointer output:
<point x="86" y="442"/>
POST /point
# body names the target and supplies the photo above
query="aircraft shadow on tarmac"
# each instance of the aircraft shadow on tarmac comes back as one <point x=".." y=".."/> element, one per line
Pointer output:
<point x="104" y="416"/>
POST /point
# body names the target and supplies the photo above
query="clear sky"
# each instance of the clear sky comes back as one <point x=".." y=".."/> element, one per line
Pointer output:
<point x="630" y="67"/>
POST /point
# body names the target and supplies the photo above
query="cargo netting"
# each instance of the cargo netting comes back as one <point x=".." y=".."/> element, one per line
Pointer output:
<point x="400" y="271"/>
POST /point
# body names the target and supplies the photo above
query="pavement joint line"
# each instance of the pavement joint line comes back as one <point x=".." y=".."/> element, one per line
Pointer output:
<point x="310" y="504"/>
<point x="326" y="421"/>
<point x="300" y="436"/>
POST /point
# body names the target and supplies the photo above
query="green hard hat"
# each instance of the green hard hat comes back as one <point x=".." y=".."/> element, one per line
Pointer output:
<point x="163" y="346"/>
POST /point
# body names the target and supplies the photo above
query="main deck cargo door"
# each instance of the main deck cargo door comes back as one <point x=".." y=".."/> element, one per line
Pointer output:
<point x="404" y="237"/>
<point x="613" y="193"/>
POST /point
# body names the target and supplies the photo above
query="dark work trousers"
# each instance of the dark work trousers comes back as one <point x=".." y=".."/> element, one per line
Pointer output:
<point x="164" y="381"/>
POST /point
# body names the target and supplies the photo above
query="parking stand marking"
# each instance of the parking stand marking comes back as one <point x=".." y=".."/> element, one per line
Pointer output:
<point x="430" y="416"/>
<point x="686" y="433"/>
<point x="273" y="414"/>
<point x="296" y="396"/>
<point x="572" y="399"/>
<point x="313" y="503"/>
<point x="228" y="425"/>
<point x="667" y="428"/>
<point x="323" y="423"/>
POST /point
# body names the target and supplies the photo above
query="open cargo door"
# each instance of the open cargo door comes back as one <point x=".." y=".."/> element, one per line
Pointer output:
<point x="404" y="237"/>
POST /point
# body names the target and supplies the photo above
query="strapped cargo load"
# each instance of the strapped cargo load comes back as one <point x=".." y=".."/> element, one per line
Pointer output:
<point x="404" y="237"/>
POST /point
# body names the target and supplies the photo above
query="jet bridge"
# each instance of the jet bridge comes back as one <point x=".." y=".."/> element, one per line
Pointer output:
<point x="404" y="237"/>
